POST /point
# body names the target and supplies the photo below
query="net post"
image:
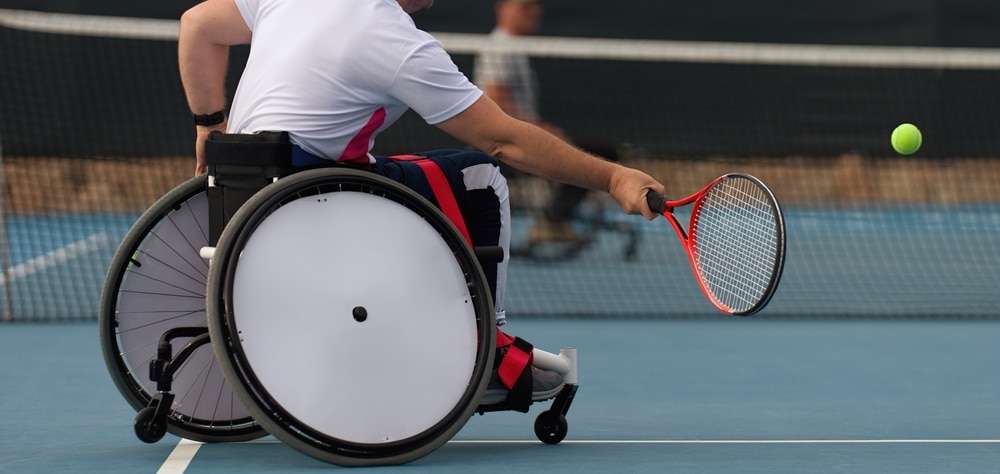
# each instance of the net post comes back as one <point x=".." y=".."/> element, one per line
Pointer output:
<point x="8" y="307"/>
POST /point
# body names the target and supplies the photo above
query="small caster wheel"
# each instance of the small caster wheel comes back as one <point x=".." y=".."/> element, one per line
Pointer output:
<point x="147" y="428"/>
<point x="551" y="427"/>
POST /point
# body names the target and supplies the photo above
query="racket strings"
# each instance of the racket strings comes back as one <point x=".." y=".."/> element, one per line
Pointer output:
<point x="736" y="243"/>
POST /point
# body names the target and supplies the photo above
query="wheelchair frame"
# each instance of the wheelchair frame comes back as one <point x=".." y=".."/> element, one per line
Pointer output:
<point x="216" y="323"/>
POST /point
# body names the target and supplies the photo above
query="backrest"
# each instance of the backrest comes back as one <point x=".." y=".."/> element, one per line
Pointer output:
<point x="239" y="166"/>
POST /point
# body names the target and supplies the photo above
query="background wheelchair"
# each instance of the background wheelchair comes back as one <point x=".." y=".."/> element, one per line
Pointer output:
<point x="594" y="219"/>
<point x="346" y="314"/>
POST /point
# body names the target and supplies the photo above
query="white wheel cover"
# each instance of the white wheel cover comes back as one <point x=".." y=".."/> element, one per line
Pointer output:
<point x="298" y="280"/>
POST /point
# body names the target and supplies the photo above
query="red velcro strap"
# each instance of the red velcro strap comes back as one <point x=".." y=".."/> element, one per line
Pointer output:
<point x="503" y="340"/>
<point x="516" y="362"/>
<point x="442" y="190"/>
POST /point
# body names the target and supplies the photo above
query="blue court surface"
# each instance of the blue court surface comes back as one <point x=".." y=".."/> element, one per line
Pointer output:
<point x="712" y="395"/>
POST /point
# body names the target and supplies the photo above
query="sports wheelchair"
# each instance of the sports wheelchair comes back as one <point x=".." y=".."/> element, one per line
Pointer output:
<point x="591" y="222"/>
<point x="333" y="308"/>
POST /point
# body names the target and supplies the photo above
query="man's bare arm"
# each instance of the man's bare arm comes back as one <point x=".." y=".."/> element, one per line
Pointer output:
<point x="529" y="148"/>
<point x="207" y="30"/>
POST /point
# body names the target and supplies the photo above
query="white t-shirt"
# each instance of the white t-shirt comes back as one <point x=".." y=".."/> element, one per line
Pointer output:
<point x="335" y="73"/>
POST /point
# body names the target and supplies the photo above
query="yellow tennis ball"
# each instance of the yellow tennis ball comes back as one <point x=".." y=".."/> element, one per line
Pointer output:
<point x="906" y="139"/>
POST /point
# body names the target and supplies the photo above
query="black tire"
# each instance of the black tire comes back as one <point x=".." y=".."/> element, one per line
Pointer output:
<point x="147" y="428"/>
<point x="156" y="281"/>
<point x="248" y="340"/>
<point x="551" y="427"/>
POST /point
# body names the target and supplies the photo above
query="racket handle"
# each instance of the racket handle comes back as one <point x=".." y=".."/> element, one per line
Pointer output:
<point x="656" y="201"/>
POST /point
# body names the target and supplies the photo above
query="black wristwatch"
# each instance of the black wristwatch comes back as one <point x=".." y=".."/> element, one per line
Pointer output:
<point x="210" y="119"/>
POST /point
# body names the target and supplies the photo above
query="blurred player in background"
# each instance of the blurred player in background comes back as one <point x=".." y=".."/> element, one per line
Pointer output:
<point x="510" y="80"/>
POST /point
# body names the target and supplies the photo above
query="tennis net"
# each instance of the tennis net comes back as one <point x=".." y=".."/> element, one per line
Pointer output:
<point x="95" y="128"/>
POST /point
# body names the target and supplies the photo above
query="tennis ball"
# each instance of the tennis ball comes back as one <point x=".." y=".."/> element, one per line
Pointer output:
<point x="906" y="139"/>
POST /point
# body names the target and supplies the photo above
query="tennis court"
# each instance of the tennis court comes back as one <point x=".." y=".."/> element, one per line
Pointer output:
<point x="701" y="394"/>
<point x="878" y="353"/>
<point x="725" y="395"/>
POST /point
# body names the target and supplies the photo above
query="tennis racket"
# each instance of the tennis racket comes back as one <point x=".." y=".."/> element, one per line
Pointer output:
<point x="735" y="240"/>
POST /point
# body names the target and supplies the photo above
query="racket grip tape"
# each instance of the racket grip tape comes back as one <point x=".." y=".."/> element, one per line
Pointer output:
<point x="656" y="201"/>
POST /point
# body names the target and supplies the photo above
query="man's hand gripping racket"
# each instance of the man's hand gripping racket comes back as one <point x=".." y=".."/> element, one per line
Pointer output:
<point x="735" y="240"/>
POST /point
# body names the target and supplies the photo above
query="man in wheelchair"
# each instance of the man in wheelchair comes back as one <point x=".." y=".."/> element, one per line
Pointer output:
<point x="333" y="74"/>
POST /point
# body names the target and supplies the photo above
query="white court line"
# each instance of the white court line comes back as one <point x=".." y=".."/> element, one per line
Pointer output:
<point x="180" y="457"/>
<point x="708" y="441"/>
<point x="55" y="257"/>
<point x="742" y="441"/>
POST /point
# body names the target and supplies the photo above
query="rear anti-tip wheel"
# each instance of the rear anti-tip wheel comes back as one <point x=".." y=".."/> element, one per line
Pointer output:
<point x="551" y="427"/>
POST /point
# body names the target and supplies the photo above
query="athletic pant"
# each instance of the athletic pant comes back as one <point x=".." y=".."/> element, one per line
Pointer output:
<point x="480" y="190"/>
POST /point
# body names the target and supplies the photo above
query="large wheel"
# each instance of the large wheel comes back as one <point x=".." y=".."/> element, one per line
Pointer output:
<point x="156" y="282"/>
<point x="351" y="317"/>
